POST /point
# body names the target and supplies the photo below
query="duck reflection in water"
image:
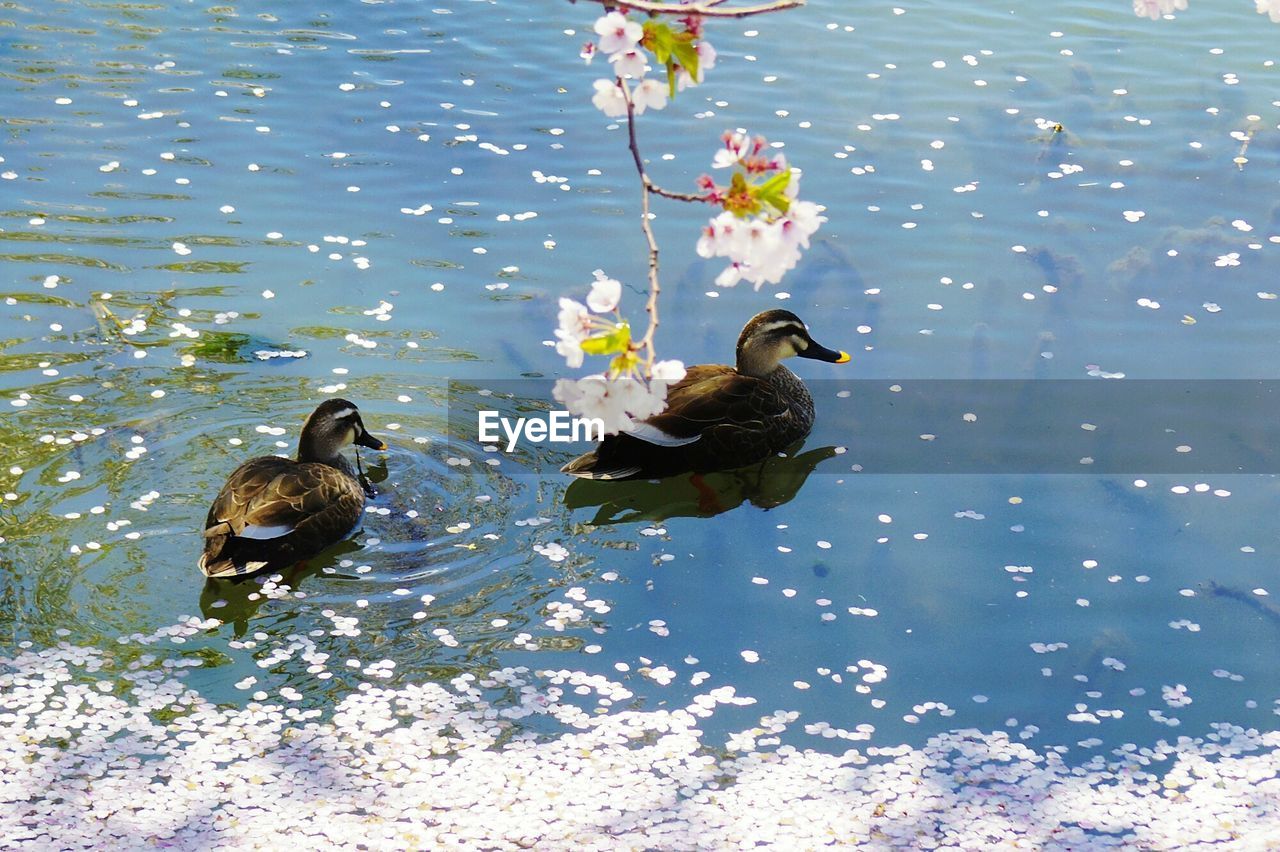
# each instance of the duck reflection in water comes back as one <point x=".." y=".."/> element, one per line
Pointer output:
<point x="766" y="484"/>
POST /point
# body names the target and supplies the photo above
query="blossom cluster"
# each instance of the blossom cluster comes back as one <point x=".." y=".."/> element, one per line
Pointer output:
<point x="621" y="402"/>
<point x="1156" y="9"/>
<point x="623" y="395"/>
<point x="764" y="226"/>
<point x="577" y="323"/>
<point x="627" y="43"/>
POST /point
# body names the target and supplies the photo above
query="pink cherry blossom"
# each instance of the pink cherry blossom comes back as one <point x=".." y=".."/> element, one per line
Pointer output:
<point x="1270" y="8"/>
<point x="760" y="251"/>
<point x="736" y="147"/>
<point x="609" y="98"/>
<point x="617" y="33"/>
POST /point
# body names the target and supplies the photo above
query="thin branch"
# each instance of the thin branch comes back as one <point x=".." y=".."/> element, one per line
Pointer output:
<point x="675" y="196"/>
<point x="646" y="186"/>
<point x="707" y="8"/>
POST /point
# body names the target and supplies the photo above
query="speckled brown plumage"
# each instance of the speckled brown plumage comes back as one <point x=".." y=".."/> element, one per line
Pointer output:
<point x="275" y="511"/>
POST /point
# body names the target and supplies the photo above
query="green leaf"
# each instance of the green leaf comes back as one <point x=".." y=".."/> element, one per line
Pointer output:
<point x="624" y="364"/>
<point x="659" y="38"/>
<point x="616" y="340"/>
<point x="686" y="55"/>
<point x="773" y="192"/>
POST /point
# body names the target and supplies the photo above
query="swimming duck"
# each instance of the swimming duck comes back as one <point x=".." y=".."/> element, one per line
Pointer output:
<point x="275" y="511"/>
<point x="720" y="417"/>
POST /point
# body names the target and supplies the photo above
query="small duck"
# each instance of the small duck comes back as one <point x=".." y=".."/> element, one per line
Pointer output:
<point x="275" y="511"/>
<point x="720" y="417"/>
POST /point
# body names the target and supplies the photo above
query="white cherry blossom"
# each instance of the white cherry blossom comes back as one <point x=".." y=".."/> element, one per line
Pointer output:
<point x="574" y="327"/>
<point x="605" y="293"/>
<point x="649" y="94"/>
<point x="668" y="371"/>
<point x="1270" y="8"/>
<point x="630" y="63"/>
<point x="609" y="98"/>
<point x="617" y="33"/>
<point x="1154" y="9"/>
<point x="619" y="403"/>
<point x="760" y="251"/>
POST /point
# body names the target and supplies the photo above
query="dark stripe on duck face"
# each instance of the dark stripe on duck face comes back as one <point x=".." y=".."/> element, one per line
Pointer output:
<point x="780" y="328"/>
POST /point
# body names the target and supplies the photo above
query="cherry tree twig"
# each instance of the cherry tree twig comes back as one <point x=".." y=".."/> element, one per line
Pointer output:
<point x="676" y="196"/>
<point x="704" y="8"/>
<point x="651" y="307"/>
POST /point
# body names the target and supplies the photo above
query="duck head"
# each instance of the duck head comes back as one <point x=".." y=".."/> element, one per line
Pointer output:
<point x="332" y="427"/>
<point x="770" y="336"/>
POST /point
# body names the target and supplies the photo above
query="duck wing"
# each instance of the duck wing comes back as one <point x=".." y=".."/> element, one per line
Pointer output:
<point x="246" y="484"/>
<point x="713" y="395"/>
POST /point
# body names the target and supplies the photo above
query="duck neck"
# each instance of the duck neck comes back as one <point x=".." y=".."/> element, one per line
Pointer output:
<point x="758" y="364"/>
<point x="311" y="450"/>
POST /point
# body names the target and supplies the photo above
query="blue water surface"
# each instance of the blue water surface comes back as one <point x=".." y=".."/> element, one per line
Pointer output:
<point x="403" y="190"/>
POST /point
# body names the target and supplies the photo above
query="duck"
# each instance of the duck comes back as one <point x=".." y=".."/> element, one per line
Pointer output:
<point x="275" y="511"/>
<point x="720" y="417"/>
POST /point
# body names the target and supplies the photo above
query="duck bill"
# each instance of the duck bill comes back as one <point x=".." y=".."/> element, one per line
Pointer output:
<point x="367" y="440"/>
<point x="821" y="353"/>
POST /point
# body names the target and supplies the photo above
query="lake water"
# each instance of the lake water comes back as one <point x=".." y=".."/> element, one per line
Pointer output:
<point x="391" y="196"/>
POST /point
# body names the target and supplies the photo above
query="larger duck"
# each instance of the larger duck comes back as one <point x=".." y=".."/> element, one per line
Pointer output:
<point x="274" y="511"/>
<point x="721" y="417"/>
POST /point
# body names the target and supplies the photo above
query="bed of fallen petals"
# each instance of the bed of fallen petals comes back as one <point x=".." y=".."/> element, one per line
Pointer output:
<point x="95" y="753"/>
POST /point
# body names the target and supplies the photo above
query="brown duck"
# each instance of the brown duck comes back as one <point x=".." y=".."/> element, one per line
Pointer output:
<point x="275" y="511"/>
<point x="721" y="417"/>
